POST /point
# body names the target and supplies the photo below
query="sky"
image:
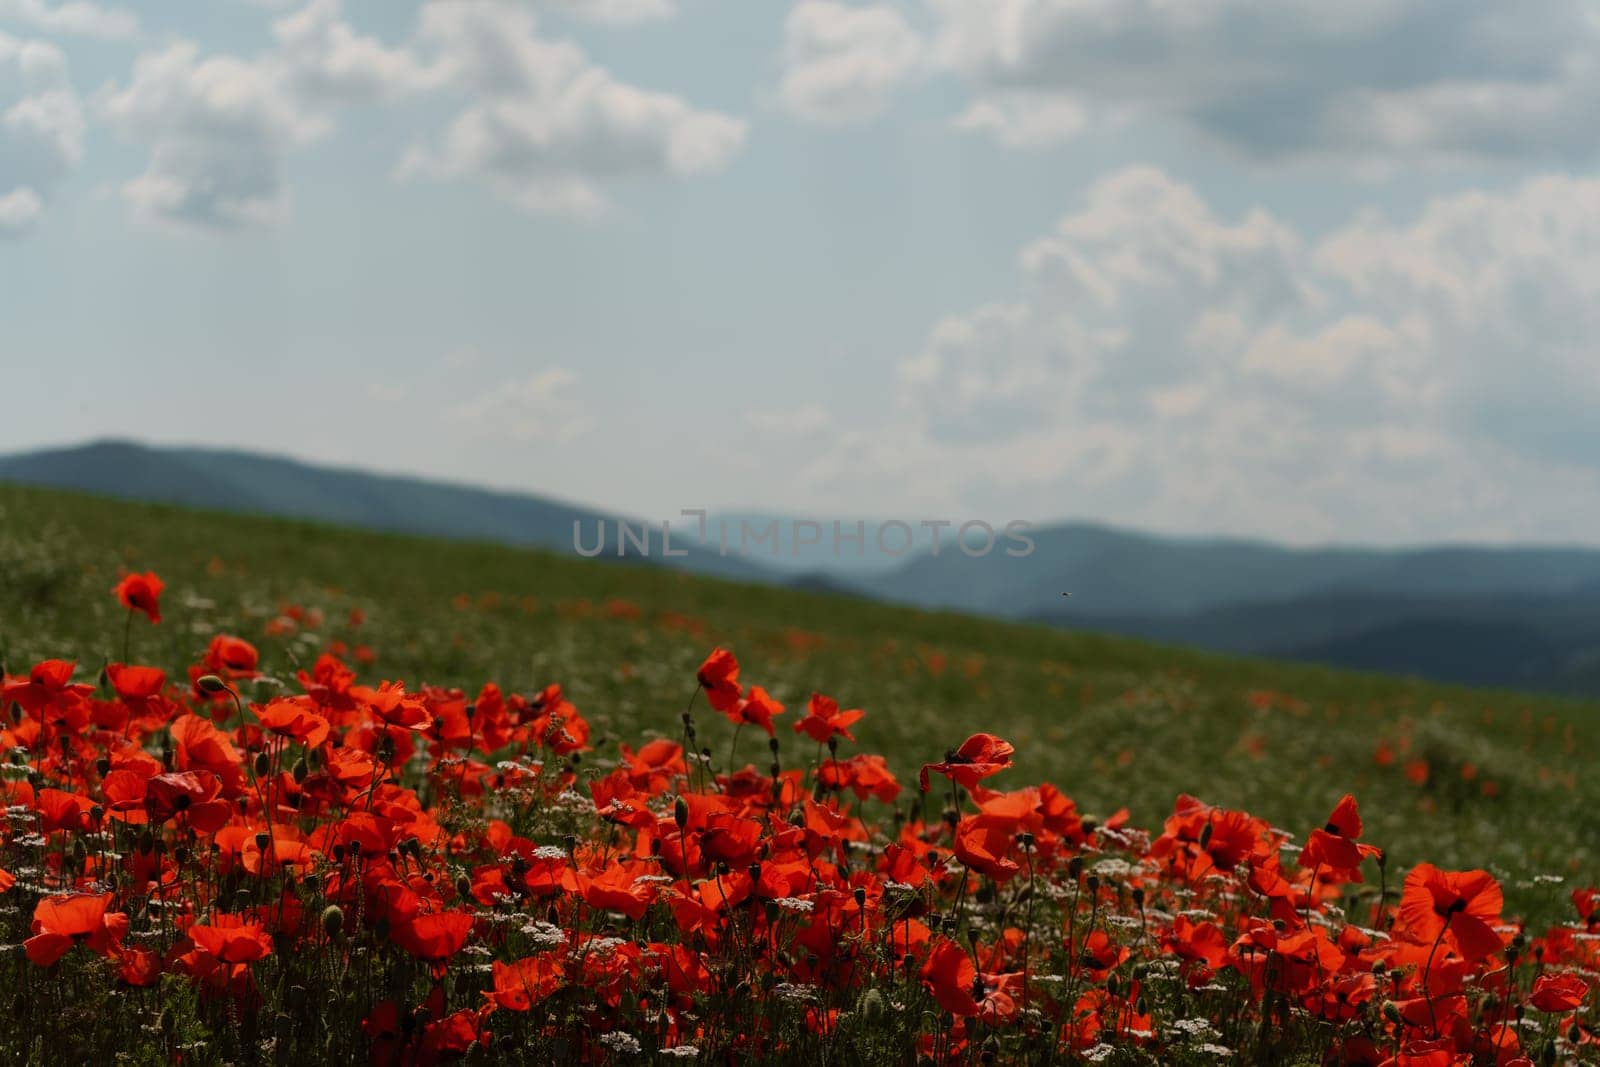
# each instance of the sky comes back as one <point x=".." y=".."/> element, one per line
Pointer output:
<point x="1279" y="268"/>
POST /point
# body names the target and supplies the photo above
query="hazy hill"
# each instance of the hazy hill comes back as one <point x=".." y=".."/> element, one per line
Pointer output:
<point x="272" y="485"/>
<point x="1518" y="616"/>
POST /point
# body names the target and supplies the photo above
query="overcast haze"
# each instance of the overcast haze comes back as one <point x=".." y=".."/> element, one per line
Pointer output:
<point x="1283" y="268"/>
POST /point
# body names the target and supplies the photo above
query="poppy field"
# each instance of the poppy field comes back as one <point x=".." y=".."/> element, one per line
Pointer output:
<point x="277" y="793"/>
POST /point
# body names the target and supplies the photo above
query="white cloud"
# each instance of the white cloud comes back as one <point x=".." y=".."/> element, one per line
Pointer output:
<point x="614" y="11"/>
<point x="218" y="128"/>
<point x="76" y="17"/>
<point x="805" y="420"/>
<point x="546" y="128"/>
<point x="1168" y="366"/>
<point x="1025" y="119"/>
<point x="535" y="406"/>
<point x="542" y="124"/>
<point x="1370" y="80"/>
<point x="842" y="63"/>
<point x="41" y="129"/>
<point x="327" y="61"/>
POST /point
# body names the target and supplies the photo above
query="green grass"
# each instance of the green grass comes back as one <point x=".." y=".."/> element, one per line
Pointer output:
<point x="1113" y="722"/>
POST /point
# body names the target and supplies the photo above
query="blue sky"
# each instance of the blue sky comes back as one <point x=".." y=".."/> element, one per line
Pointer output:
<point x="1273" y="267"/>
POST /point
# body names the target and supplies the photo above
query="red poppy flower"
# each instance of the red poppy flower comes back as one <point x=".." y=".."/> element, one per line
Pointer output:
<point x="719" y="677"/>
<point x="1464" y="903"/>
<point x="82" y="918"/>
<point x="394" y="706"/>
<point x="983" y="842"/>
<point x="1557" y="993"/>
<point x="230" y="657"/>
<point x="135" y="684"/>
<point x="48" y="685"/>
<point x="824" y="719"/>
<point x="433" y="936"/>
<point x="519" y="986"/>
<point x="949" y="974"/>
<point x="141" y="592"/>
<point x="978" y="757"/>
<point x="293" y="717"/>
<point x="232" y="939"/>
<point x="866" y="774"/>
<point x="1334" y="847"/>
<point x="758" y="709"/>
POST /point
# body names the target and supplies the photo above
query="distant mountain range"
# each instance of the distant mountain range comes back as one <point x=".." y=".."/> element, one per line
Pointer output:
<point x="1522" y="617"/>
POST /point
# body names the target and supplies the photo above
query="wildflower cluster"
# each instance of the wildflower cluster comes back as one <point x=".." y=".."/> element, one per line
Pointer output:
<point x="416" y="875"/>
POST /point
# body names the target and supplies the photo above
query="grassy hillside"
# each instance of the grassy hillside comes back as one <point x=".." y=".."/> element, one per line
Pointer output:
<point x="1112" y="721"/>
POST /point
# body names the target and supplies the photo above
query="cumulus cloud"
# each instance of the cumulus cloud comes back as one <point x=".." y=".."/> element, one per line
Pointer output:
<point x="842" y="63"/>
<point x="540" y="123"/>
<point x="1371" y="79"/>
<point x="535" y="406"/>
<point x="1166" y="364"/>
<point x="544" y="126"/>
<point x="76" y="17"/>
<point x="41" y="129"/>
<point x="217" y="128"/>
<point x="617" y="12"/>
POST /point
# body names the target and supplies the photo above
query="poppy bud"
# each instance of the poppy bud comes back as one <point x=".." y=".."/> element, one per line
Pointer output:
<point x="833" y="744"/>
<point x="1547" y="1055"/>
<point x="463" y="886"/>
<point x="1112" y="985"/>
<point x="1138" y="896"/>
<point x="283" y="1027"/>
<point x="1205" y="836"/>
<point x="1025" y="839"/>
<point x="332" y="921"/>
<point x="263" y="765"/>
<point x="772" y="743"/>
<point x="680" y="812"/>
<point x="301" y="770"/>
<point x="871" y="1004"/>
<point x="102" y="766"/>
<point x="96" y="813"/>
<point x="1391" y="1011"/>
<point x="210" y="684"/>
